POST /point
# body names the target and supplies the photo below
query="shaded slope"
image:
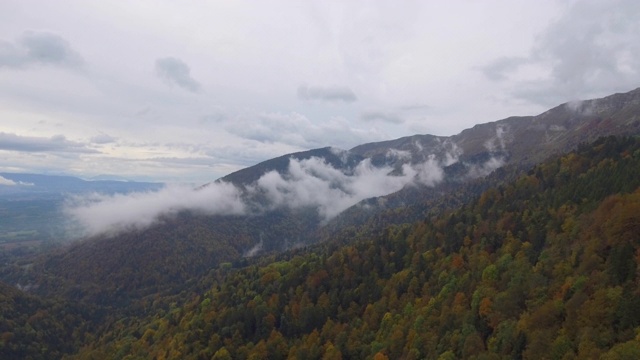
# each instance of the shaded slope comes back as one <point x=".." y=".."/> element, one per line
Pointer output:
<point x="33" y="328"/>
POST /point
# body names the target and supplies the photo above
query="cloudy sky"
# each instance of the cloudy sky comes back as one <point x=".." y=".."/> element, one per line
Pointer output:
<point x="189" y="91"/>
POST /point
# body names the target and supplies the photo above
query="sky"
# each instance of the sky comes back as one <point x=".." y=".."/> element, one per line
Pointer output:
<point x="189" y="91"/>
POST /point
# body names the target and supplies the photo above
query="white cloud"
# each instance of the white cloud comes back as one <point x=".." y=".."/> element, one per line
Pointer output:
<point x="7" y="182"/>
<point x="486" y="168"/>
<point x="306" y="183"/>
<point x="97" y="213"/>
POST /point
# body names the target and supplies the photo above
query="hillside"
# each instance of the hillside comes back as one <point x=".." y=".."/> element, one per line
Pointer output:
<point x="541" y="267"/>
<point x="35" y="328"/>
<point x="466" y="194"/>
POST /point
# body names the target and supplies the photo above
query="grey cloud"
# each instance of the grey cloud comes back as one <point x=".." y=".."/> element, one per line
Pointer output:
<point x="297" y="130"/>
<point x="103" y="139"/>
<point x="57" y="143"/>
<point x="381" y="116"/>
<point x="329" y="94"/>
<point x="38" y="48"/>
<point x="499" y="68"/>
<point x="176" y="72"/>
<point x="590" y="51"/>
<point x="216" y="118"/>
<point x="184" y="161"/>
<point x="415" y="107"/>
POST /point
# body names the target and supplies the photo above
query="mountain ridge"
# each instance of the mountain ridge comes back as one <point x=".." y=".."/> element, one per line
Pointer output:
<point x="557" y="130"/>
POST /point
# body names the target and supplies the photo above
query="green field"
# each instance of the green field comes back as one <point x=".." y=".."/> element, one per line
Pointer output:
<point x="28" y="220"/>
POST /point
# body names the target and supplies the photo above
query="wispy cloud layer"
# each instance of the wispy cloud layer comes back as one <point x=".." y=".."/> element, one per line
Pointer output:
<point x="329" y="94"/>
<point x="57" y="143"/>
<point x="381" y="116"/>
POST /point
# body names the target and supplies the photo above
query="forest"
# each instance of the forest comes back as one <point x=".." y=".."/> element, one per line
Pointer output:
<point x="543" y="266"/>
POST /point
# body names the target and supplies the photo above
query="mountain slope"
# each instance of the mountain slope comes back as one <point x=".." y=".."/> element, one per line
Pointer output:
<point x="542" y="267"/>
<point x="516" y="142"/>
<point x="186" y="246"/>
<point x="34" y="328"/>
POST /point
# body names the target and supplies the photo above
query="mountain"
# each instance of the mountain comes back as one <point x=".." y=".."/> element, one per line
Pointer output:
<point x="523" y="140"/>
<point x="544" y="266"/>
<point x="457" y="169"/>
<point x="472" y="154"/>
<point x="336" y="158"/>
<point x="469" y="201"/>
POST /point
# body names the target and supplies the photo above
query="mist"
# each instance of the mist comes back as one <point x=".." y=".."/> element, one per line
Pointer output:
<point x="306" y="183"/>
<point x="95" y="214"/>
<point x="312" y="182"/>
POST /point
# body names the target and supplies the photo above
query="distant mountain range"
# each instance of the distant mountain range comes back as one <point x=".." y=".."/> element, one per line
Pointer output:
<point x="58" y="185"/>
<point x="31" y="204"/>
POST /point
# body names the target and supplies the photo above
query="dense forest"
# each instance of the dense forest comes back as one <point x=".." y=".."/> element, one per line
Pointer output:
<point x="545" y="266"/>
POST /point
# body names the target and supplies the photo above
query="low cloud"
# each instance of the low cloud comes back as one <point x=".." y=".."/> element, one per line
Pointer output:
<point x="176" y="72"/>
<point x="381" y="116"/>
<point x="38" y="47"/>
<point x="486" y="167"/>
<point x="306" y="183"/>
<point x="57" y="143"/>
<point x="497" y="142"/>
<point x="496" y="146"/>
<point x="328" y="94"/>
<point x="108" y="214"/>
<point x="8" y="182"/>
